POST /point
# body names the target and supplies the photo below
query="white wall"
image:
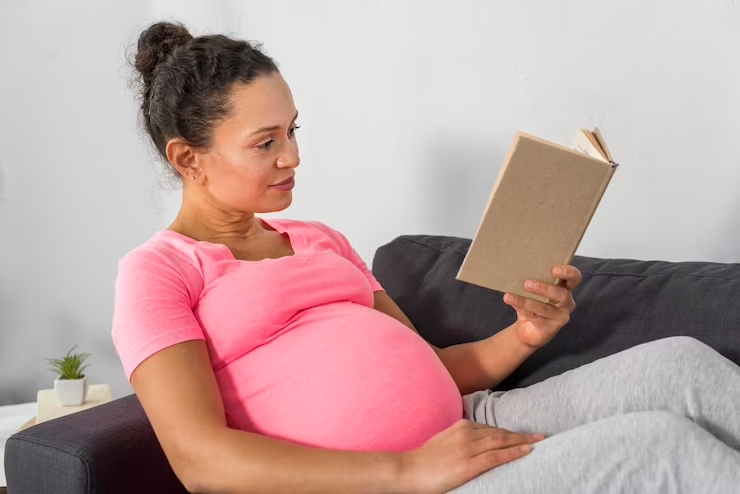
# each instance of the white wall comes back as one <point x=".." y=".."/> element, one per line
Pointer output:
<point x="407" y="109"/>
<point x="78" y="181"/>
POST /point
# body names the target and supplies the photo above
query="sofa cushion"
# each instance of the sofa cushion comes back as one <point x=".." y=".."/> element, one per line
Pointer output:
<point x="621" y="303"/>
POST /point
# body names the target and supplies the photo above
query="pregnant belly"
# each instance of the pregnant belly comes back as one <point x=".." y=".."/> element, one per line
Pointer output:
<point x="344" y="376"/>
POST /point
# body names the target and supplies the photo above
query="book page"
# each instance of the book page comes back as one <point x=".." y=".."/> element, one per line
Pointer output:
<point x="583" y="144"/>
<point x="602" y="142"/>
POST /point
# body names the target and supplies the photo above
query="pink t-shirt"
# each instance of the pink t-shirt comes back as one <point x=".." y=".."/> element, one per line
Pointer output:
<point x="298" y="350"/>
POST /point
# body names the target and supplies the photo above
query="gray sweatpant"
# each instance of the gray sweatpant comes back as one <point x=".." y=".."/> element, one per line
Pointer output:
<point x="662" y="417"/>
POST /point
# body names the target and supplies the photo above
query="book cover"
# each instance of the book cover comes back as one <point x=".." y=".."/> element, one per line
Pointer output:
<point x="538" y="211"/>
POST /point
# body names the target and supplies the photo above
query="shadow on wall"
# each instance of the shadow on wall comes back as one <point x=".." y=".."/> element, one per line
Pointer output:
<point x="458" y="182"/>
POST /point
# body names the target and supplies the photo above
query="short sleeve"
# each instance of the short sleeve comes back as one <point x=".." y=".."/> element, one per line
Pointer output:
<point x="350" y="253"/>
<point x="153" y="308"/>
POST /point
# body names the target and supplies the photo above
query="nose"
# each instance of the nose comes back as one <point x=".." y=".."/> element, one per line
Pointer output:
<point x="289" y="157"/>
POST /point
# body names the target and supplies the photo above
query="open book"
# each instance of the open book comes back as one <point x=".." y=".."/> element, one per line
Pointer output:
<point x="538" y="211"/>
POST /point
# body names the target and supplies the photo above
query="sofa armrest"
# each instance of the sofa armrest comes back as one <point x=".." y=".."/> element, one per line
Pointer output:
<point x="108" y="448"/>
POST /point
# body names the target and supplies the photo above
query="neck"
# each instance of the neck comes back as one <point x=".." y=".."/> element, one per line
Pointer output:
<point x="207" y="222"/>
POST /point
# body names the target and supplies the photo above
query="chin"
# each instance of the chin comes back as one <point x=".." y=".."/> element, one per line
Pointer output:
<point x="276" y="206"/>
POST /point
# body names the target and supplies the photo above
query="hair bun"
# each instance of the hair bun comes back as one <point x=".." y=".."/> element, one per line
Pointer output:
<point x="154" y="46"/>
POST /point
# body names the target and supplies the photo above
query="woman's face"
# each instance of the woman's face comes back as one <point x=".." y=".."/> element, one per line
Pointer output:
<point x="250" y="166"/>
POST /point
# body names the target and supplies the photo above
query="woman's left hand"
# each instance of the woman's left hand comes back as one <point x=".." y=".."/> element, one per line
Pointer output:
<point x="538" y="322"/>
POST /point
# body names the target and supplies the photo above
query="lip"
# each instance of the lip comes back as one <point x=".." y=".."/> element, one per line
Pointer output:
<point x="285" y="184"/>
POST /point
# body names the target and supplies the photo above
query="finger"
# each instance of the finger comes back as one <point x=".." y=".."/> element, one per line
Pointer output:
<point x="487" y="431"/>
<point x="499" y="457"/>
<point x="537" y="308"/>
<point x="535" y="438"/>
<point x="477" y="428"/>
<point x="497" y="441"/>
<point x="500" y="439"/>
<point x="570" y="275"/>
<point x="557" y="295"/>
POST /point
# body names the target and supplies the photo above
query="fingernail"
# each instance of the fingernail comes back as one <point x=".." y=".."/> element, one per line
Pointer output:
<point x="525" y="448"/>
<point x="538" y="437"/>
<point x="512" y="299"/>
<point x="530" y="285"/>
<point x="559" y="271"/>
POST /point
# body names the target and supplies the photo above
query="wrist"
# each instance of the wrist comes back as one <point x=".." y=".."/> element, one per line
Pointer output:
<point x="405" y="481"/>
<point x="521" y="347"/>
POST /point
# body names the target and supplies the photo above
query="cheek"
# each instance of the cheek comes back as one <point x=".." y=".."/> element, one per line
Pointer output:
<point x="257" y="174"/>
<point x="240" y="168"/>
<point x="242" y="179"/>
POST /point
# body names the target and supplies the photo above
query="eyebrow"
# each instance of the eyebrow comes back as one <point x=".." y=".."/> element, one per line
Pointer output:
<point x="271" y="127"/>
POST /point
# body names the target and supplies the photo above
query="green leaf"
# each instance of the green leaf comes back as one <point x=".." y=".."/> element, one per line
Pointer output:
<point x="71" y="366"/>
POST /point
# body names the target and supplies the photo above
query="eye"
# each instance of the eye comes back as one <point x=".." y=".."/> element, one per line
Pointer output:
<point x="291" y="133"/>
<point x="266" y="145"/>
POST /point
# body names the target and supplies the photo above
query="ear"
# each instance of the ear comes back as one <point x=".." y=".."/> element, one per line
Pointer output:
<point x="183" y="157"/>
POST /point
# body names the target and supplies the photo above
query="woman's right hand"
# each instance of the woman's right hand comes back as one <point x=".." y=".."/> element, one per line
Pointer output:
<point x="461" y="452"/>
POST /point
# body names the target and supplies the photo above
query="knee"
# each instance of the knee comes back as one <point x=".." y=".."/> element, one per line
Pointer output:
<point x="657" y="429"/>
<point x="660" y="422"/>
<point x="685" y="348"/>
<point x="660" y="434"/>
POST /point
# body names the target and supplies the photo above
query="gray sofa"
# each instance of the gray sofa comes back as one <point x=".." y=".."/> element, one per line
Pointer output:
<point x="621" y="303"/>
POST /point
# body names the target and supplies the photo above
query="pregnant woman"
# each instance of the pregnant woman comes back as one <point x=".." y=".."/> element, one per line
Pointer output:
<point x="269" y="359"/>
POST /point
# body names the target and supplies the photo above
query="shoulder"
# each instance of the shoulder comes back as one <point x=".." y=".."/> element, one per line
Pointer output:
<point x="163" y="260"/>
<point x="156" y="290"/>
<point x="157" y="253"/>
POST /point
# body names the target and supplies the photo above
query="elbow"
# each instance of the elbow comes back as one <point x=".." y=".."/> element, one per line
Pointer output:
<point x="195" y="470"/>
<point x="193" y="479"/>
<point x="195" y="488"/>
<point x="203" y="461"/>
<point x="208" y="479"/>
<point x="198" y="481"/>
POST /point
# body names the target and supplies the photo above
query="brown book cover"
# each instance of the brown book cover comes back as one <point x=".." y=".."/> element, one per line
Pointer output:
<point x="538" y="211"/>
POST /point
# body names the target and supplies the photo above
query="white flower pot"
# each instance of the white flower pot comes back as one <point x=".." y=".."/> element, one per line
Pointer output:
<point x="71" y="392"/>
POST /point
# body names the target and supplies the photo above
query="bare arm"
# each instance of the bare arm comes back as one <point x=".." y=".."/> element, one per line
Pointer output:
<point x="178" y="391"/>
<point x="473" y="366"/>
<point x="484" y="364"/>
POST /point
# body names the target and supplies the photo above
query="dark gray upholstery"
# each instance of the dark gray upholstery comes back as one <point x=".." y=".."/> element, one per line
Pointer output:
<point x="621" y="303"/>
<point x="107" y="449"/>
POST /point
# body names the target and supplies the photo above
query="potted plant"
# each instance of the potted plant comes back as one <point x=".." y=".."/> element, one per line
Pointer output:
<point x="71" y="383"/>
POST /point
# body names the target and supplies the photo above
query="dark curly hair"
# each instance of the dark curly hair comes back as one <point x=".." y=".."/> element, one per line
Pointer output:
<point x="185" y="81"/>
